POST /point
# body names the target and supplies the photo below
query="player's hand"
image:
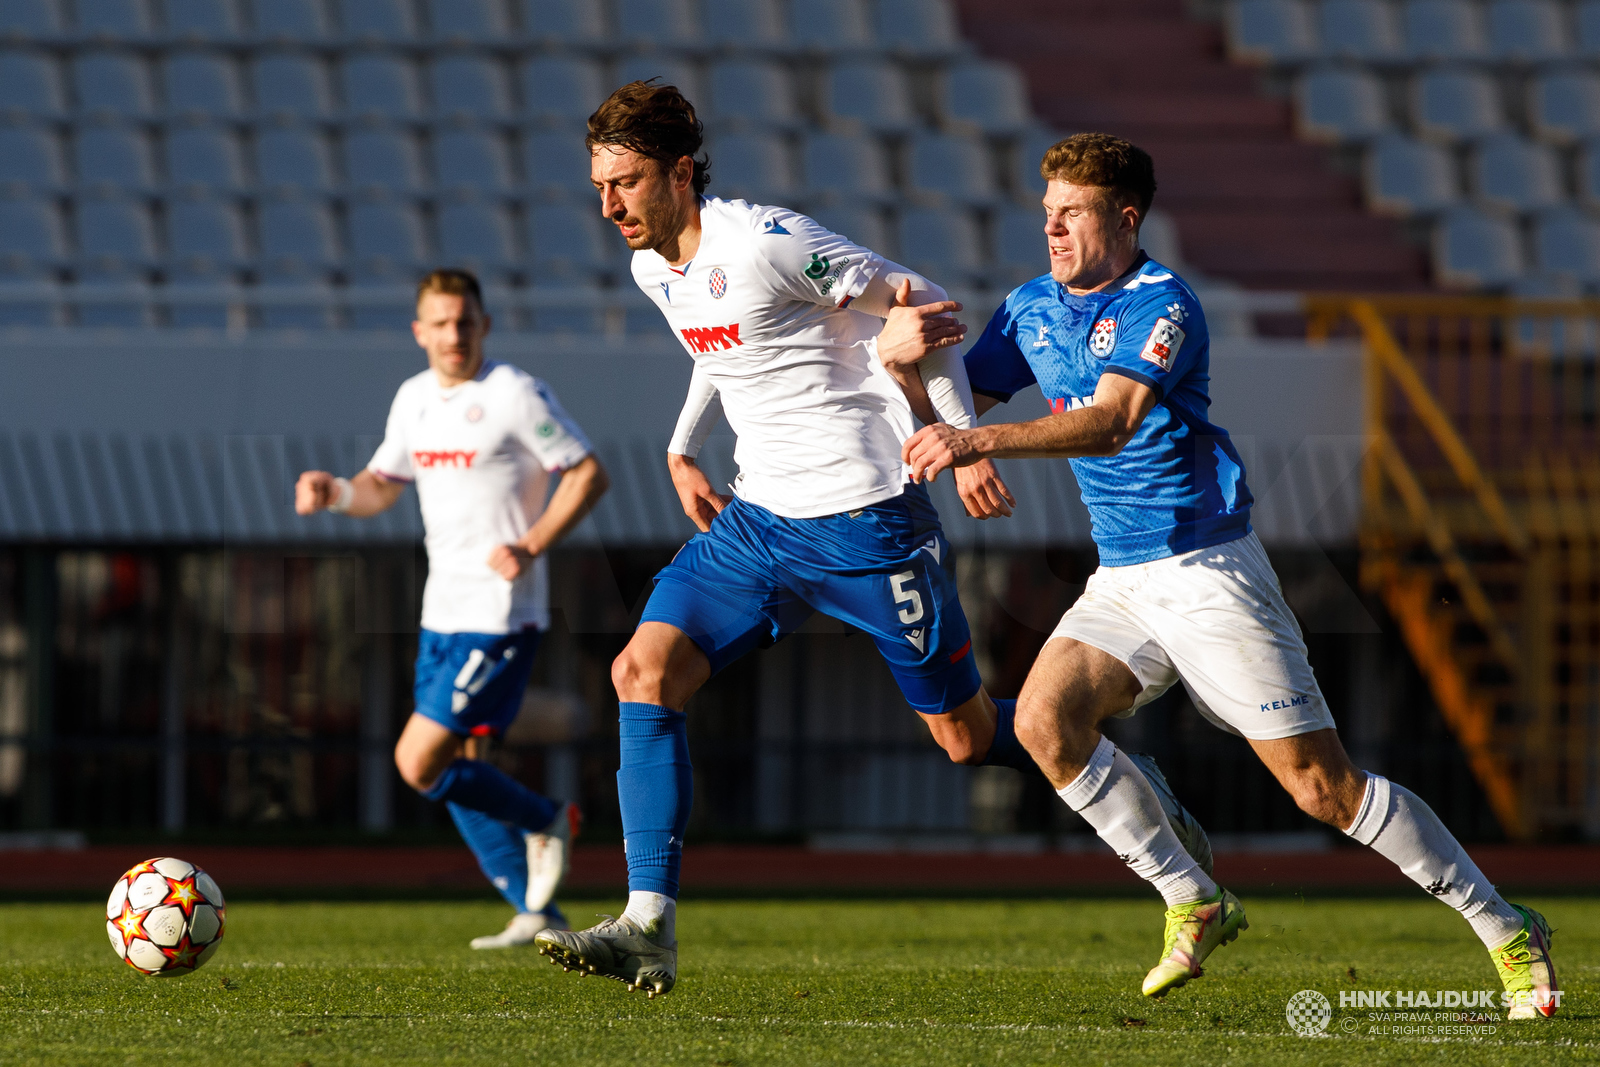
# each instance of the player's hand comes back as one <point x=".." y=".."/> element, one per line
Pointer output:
<point x="700" y="502"/>
<point x="910" y="333"/>
<point x="313" y="492"/>
<point x="509" y="561"/>
<point x="982" y="491"/>
<point x="936" y="448"/>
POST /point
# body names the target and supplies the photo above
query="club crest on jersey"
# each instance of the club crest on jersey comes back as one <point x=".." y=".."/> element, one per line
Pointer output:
<point x="1162" y="347"/>
<point x="712" y="338"/>
<point x="1103" y="338"/>
<point x="718" y="283"/>
<point x="474" y="413"/>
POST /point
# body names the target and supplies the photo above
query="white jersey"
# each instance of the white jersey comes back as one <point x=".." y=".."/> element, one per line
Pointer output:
<point x="481" y="454"/>
<point x="762" y="310"/>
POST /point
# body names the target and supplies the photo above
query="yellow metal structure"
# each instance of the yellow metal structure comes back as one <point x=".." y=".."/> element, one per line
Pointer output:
<point x="1481" y="531"/>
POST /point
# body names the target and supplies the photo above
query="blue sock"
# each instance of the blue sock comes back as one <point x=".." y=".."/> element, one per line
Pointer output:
<point x="478" y="786"/>
<point x="501" y="853"/>
<point x="655" y="789"/>
<point x="1005" y="750"/>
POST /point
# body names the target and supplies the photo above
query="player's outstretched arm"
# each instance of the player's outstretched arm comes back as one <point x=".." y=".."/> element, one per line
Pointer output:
<point x="364" y="495"/>
<point x="582" y="486"/>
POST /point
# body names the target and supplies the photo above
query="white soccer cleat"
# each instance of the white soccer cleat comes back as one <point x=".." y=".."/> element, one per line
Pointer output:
<point x="550" y="856"/>
<point x="617" y="948"/>
<point x="1191" y="835"/>
<point x="521" y="930"/>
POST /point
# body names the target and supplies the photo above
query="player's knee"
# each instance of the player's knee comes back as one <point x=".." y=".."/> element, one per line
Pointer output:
<point x="1036" y="728"/>
<point x="1315" y="796"/>
<point x="639" y="676"/>
<point x="416" y="769"/>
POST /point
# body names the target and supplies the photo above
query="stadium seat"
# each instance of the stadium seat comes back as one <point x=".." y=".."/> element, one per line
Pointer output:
<point x="293" y="158"/>
<point x="379" y="84"/>
<point x="1019" y="245"/>
<point x="205" y="239"/>
<point x="1564" y="106"/>
<point x="863" y="225"/>
<point x="560" y="90"/>
<point x="744" y="24"/>
<point x="917" y="28"/>
<point x="470" y="87"/>
<point x="556" y="165"/>
<point x="110" y="19"/>
<point x="1526" y="30"/>
<point x="1566" y="241"/>
<point x="1269" y="31"/>
<point x="1405" y="177"/>
<point x="289" y="85"/>
<point x="297" y="239"/>
<point x="942" y="245"/>
<point x="657" y="23"/>
<point x="202" y="157"/>
<point x="1027" y="184"/>
<point x="670" y="69"/>
<point x="748" y="93"/>
<point x="753" y="167"/>
<point x="1456" y="105"/>
<point x="111" y="83"/>
<point x="1442" y="29"/>
<point x="381" y="159"/>
<point x="566" y="244"/>
<point x="1340" y="105"/>
<point x="205" y="19"/>
<point x="112" y="158"/>
<point x="843" y="165"/>
<point x="950" y="167"/>
<point x="32" y="239"/>
<point x="476" y="236"/>
<point x="30" y="159"/>
<point x="467" y="20"/>
<point x="25" y="19"/>
<point x="199" y="84"/>
<point x="985" y="97"/>
<point x="115" y="236"/>
<point x="289" y="20"/>
<point x="1473" y="250"/>
<point x="1159" y="237"/>
<point x="385" y="20"/>
<point x="564" y="21"/>
<point x="870" y="95"/>
<point x="1358" y="29"/>
<point x="1589" y="174"/>
<point x="1512" y="174"/>
<point x="1589" y="28"/>
<point x="30" y="84"/>
<point x="830" y="26"/>
<point x="386" y="240"/>
<point x="470" y="160"/>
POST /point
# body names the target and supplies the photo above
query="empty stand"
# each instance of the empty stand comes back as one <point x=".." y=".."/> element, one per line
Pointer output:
<point x="561" y="91"/>
<point x="754" y="167"/>
<point x="379" y="85"/>
<point x="290" y="84"/>
<point x="751" y="94"/>
<point x="293" y="157"/>
<point x="869" y="95"/>
<point x="470" y="160"/>
<point x="1513" y="174"/>
<point x="1473" y="249"/>
<point x="1408" y="177"/>
<point x="469" y="88"/>
<point x="1341" y="105"/>
<point x="30" y="159"/>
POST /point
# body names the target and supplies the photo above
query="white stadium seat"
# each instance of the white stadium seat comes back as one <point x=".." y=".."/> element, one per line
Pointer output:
<point x="1358" y="29"/>
<point x="381" y="159"/>
<point x="1340" y="105"/>
<point x="1514" y="174"/>
<point x="863" y="225"/>
<point x="29" y="158"/>
<point x="376" y="19"/>
<point x="111" y="83"/>
<point x="751" y="93"/>
<point x="114" y="235"/>
<point x="1270" y="31"/>
<point x="830" y="26"/>
<point x="112" y="158"/>
<point x="110" y="18"/>
<point x="30" y="84"/>
<point x="1456" y="105"/>
<point x="1564" y="105"/>
<point x="1474" y="250"/>
<point x="199" y="83"/>
<point x="1566" y="242"/>
<point x="202" y="157"/>
<point x="567" y="243"/>
<point x="379" y="84"/>
<point x="985" y="97"/>
<point x="467" y="20"/>
<point x="469" y="87"/>
<point x="745" y="24"/>
<point x="556" y="164"/>
<point x="1405" y="177"/>
<point x="941" y="244"/>
<point x="205" y="238"/>
<point x="29" y="18"/>
<point x="1026" y="181"/>
<point x="753" y="167"/>
<point x="1442" y="29"/>
<point x="1526" y="30"/>
<point x="289" y="19"/>
<point x="561" y="90"/>
<point x="202" y="19"/>
<point x="951" y="167"/>
<point x="386" y="240"/>
<point x="657" y="23"/>
<point x="293" y="158"/>
<point x="289" y="85"/>
<point x="297" y="239"/>
<point x="564" y="21"/>
<point x="870" y="95"/>
<point x="845" y="165"/>
<point x="476" y="236"/>
<point x="669" y="69"/>
<point x="471" y="160"/>
<point x="917" y="27"/>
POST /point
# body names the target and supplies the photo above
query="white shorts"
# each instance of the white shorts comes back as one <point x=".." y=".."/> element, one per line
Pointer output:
<point x="1214" y="618"/>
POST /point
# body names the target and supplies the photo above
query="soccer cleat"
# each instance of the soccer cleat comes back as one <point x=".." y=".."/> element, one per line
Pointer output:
<point x="520" y="930"/>
<point x="1193" y="931"/>
<point x="1191" y="835"/>
<point x="1526" y="971"/>
<point x="617" y="948"/>
<point x="550" y="856"/>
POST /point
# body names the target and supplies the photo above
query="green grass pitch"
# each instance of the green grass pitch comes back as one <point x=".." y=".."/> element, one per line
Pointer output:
<point x="917" y="982"/>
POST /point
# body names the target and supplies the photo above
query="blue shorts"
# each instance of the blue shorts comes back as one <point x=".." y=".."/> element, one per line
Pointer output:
<point x="885" y="569"/>
<point x="473" y="683"/>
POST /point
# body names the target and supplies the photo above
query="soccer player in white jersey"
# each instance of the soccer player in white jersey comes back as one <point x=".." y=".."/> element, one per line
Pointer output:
<point x="480" y="439"/>
<point x="781" y="318"/>
<point x="1118" y="344"/>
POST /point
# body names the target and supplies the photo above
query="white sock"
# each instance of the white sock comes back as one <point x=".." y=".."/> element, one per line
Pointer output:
<point x="654" y="913"/>
<point x="1406" y="832"/>
<point x="1115" y="799"/>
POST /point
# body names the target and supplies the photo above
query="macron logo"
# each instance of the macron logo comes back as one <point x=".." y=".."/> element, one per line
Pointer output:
<point x="451" y="458"/>
<point x="712" y="338"/>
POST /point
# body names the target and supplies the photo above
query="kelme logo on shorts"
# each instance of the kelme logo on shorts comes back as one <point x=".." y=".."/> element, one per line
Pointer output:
<point x="818" y="267"/>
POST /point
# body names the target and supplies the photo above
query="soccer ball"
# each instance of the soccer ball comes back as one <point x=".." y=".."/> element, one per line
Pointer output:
<point x="165" y="917"/>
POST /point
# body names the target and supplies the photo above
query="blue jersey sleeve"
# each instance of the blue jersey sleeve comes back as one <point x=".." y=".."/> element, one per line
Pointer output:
<point x="1159" y="339"/>
<point x="995" y="365"/>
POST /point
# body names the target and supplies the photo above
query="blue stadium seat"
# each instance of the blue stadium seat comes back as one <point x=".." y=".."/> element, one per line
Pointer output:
<point x="753" y="167"/>
<point x="473" y="87"/>
<point x="1589" y="174"/>
<point x="942" y="245"/>
<point x="1020" y="250"/>
<point x="567" y="243"/>
<point x="1526" y="30"/>
<point x="112" y="158"/>
<point x="205" y="19"/>
<point x="1270" y="31"/>
<point x="863" y="225"/>
<point x="30" y="85"/>
<point x="205" y="239"/>
<point x="1564" y="105"/>
<point x="1026" y="181"/>
<point x="1365" y="30"/>
<point x="290" y="85"/>
<point x="478" y="237"/>
<point x="1513" y="174"/>
<point x="199" y="83"/>
<point x="1443" y="29"/>
<point x="1341" y="105"/>
<point x="111" y="19"/>
<point x="470" y="160"/>
<point x="868" y="94"/>
<point x="985" y="97"/>
<point x="1405" y="177"/>
<point x="381" y="159"/>
<point x="297" y="239"/>
<point x="750" y="93"/>
<point x="386" y="240"/>
<point x="384" y="20"/>
<point x="670" y="69"/>
<point x="379" y="84"/>
<point x="289" y="20"/>
<point x="29" y="18"/>
<point x="1589" y="28"/>
<point x="830" y="26"/>
<point x="1566" y="242"/>
<point x="917" y="28"/>
<point x="657" y="23"/>
<point x="115" y="237"/>
<point x="30" y="159"/>
<point x="843" y="165"/>
<point x="745" y="24"/>
<point x="203" y="157"/>
<point x="1456" y="105"/>
<point x="1473" y="250"/>
<point x="564" y="21"/>
<point x="951" y="167"/>
<point x="561" y="90"/>
<point x="32" y="239"/>
<point x="293" y="157"/>
<point x="467" y="20"/>
<point x="555" y="164"/>
<point x="111" y="83"/>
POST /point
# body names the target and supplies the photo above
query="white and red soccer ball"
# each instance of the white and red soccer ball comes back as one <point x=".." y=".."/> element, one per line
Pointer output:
<point x="165" y="917"/>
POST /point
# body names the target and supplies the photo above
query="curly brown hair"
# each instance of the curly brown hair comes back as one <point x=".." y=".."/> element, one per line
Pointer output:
<point x="655" y="121"/>
<point x="1124" y="170"/>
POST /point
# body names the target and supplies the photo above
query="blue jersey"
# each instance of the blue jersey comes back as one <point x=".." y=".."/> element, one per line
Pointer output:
<point x="1178" y="485"/>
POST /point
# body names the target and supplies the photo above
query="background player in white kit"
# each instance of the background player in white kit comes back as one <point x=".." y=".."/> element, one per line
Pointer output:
<point x="480" y="439"/>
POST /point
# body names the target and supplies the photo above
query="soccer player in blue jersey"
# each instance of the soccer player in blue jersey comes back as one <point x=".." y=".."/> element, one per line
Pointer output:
<point x="1184" y="591"/>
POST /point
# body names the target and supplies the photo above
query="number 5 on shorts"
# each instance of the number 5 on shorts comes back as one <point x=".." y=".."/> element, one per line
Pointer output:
<point x="902" y="595"/>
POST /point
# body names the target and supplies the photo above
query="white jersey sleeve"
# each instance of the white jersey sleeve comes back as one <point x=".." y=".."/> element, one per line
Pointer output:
<point x="817" y="265"/>
<point x="701" y="410"/>
<point x="546" y="430"/>
<point x="392" y="460"/>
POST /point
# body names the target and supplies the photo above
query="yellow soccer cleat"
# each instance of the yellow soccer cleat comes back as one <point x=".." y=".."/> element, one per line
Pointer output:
<point x="1193" y="931"/>
<point x="1526" y="971"/>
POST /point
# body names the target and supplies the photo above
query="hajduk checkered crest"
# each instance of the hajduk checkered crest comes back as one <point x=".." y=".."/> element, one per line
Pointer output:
<point x="1309" y="1013"/>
